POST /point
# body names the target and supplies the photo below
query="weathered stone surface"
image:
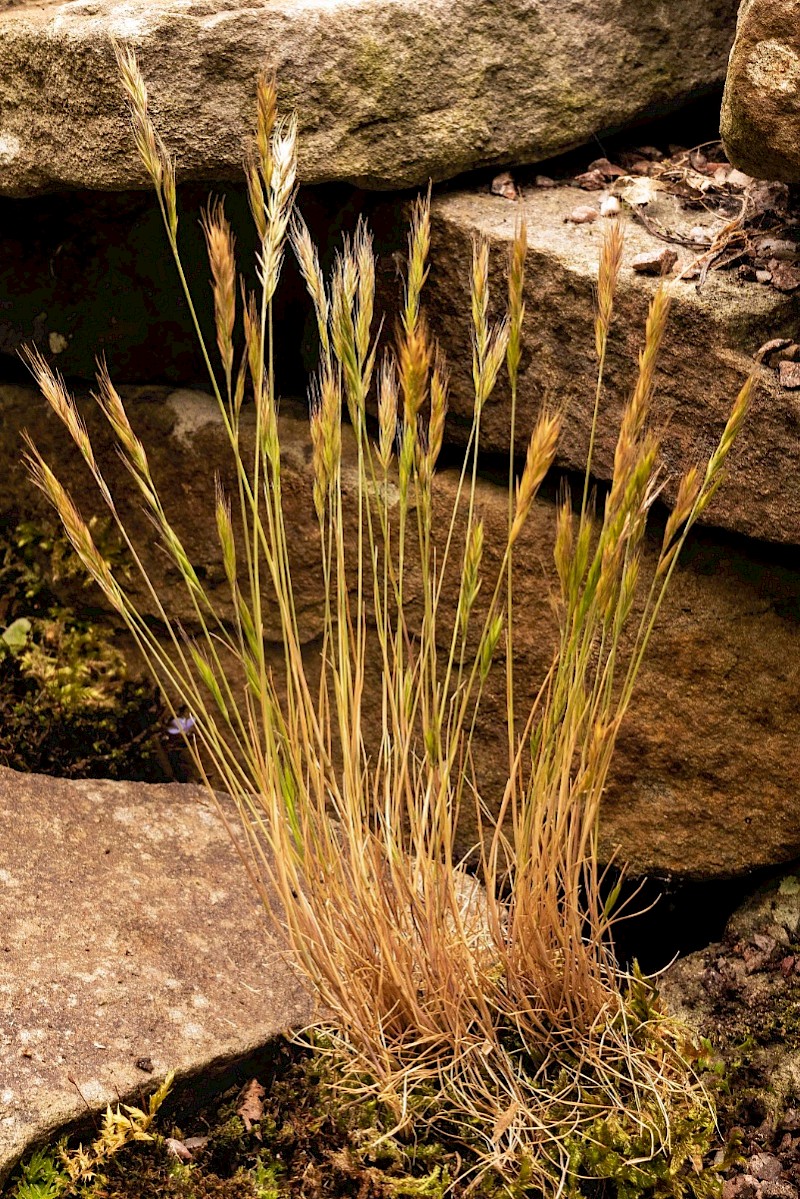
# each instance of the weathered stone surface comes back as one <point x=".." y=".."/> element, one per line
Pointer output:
<point x="389" y="92"/>
<point x="742" y="993"/>
<point x="761" y="109"/>
<point x="129" y="930"/>
<point x="705" y="780"/>
<point x="708" y="352"/>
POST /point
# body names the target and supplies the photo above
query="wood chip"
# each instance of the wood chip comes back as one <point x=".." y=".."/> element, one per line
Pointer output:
<point x="784" y="276"/>
<point x="591" y="181"/>
<point x="789" y="375"/>
<point x="655" y="262"/>
<point x="650" y="152"/>
<point x="769" y="348"/>
<point x="607" y="169"/>
<point x="504" y="185"/>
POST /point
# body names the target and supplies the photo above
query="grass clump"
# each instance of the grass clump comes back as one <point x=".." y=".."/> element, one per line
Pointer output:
<point x="491" y="1005"/>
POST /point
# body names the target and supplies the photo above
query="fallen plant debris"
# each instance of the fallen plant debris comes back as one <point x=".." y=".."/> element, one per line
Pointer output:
<point x="504" y="185"/>
<point x="654" y="262"/>
<point x="756" y="228"/>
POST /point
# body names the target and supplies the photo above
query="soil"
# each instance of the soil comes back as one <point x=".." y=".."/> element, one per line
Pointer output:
<point x="743" y="993"/>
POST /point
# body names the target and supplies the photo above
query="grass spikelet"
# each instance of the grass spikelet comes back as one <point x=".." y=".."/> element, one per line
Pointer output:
<point x="54" y="390"/>
<point x="733" y="427"/>
<point x="480" y="299"/>
<point x="152" y="153"/>
<point x="438" y="415"/>
<point x="110" y="404"/>
<point x="419" y="243"/>
<point x="225" y="533"/>
<point x="538" y="460"/>
<point x="75" y="526"/>
<point x="637" y="411"/>
<point x="222" y="260"/>
<point x="388" y="397"/>
<point x="364" y="259"/>
<point x="266" y="119"/>
<point x="471" y="579"/>
<point x="564" y="548"/>
<point x="608" y="276"/>
<point x="516" y="302"/>
<point x="414" y="356"/>
<point x="308" y="259"/>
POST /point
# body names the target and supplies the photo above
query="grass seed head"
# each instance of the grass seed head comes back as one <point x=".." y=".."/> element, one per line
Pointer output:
<point x="419" y="243"/>
<point x="538" y="460"/>
<point x="110" y="404"/>
<point x="266" y="118"/>
<point x="516" y="302"/>
<point x="608" y="276"/>
<point x="255" y="196"/>
<point x="438" y="414"/>
<point x="480" y="296"/>
<point x="75" y="526"/>
<point x="415" y="354"/>
<point x="225" y="533"/>
<point x="54" y="390"/>
<point x="308" y="260"/>
<point x="221" y="256"/>
<point x="388" y="396"/>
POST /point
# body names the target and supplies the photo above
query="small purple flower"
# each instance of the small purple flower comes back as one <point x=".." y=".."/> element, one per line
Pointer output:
<point x="181" y="726"/>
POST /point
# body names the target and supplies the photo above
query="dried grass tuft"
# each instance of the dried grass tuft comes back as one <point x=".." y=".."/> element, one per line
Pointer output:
<point x="493" y="1004"/>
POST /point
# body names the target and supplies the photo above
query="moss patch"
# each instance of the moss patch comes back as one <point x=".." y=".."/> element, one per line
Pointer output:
<point x="293" y="1133"/>
<point x="68" y="706"/>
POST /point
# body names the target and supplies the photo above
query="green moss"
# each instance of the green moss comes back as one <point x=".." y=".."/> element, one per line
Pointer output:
<point x="67" y="703"/>
<point x="315" y="1140"/>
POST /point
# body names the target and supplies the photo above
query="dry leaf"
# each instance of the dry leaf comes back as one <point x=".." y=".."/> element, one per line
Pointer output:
<point x="251" y="1103"/>
<point x="784" y="276"/>
<point x="504" y="1121"/>
<point x="591" y="181"/>
<point x="637" y="192"/>
<point x="177" y="1149"/>
<point x="607" y="169"/>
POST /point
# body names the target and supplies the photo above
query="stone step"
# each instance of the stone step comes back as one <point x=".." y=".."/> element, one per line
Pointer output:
<point x="705" y="778"/>
<point x="709" y="349"/>
<point x="389" y="93"/>
<point x="131" y="944"/>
